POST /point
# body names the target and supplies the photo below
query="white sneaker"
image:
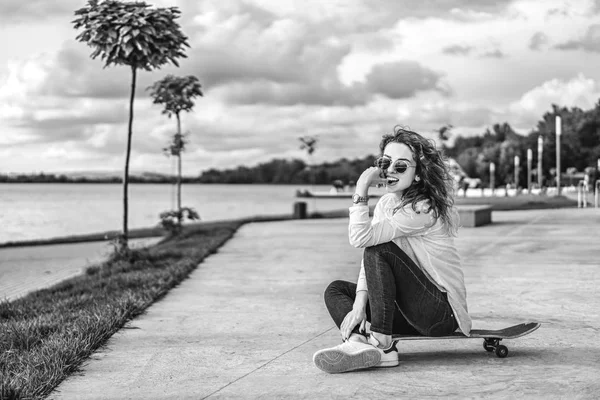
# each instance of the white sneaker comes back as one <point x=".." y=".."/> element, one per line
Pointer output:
<point x="348" y="356"/>
<point x="389" y="356"/>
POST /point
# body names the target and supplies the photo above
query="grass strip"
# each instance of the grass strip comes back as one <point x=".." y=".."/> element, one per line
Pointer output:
<point x="46" y="335"/>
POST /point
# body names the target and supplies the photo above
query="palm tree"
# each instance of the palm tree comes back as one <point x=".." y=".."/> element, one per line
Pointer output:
<point x="309" y="143"/>
<point x="176" y="94"/>
<point x="135" y="35"/>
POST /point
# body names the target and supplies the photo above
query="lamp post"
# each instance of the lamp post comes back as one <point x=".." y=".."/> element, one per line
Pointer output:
<point x="529" y="160"/>
<point x="517" y="162"/>
<point x="492" y="177"/>
<point x="539" y="163"/>
<point x="558" y="133"/>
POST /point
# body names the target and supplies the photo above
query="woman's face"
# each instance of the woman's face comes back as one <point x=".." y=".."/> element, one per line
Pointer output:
<point x="398" y="182"/>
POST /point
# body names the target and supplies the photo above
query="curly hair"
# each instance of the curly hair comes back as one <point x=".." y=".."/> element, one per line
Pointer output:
<point x="436" y="184"/>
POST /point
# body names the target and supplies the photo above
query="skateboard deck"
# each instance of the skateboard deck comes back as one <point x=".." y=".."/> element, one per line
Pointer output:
<point x="491" y="338"/>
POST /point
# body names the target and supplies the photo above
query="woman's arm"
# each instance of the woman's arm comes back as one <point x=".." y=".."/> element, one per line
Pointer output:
<point x="389" y="225"/>
<point x="361" y="283"/>
<point x="362" y="232"/>
<point x="360" y="302"/>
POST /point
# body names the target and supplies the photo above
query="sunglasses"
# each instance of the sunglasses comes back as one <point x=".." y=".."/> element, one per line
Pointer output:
<point x="399" y="166"/>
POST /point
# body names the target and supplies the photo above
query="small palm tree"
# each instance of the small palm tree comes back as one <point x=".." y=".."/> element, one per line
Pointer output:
<point x="309" y="143"/>
<point x="176" y="94"/>
<point x="135" y="35"/>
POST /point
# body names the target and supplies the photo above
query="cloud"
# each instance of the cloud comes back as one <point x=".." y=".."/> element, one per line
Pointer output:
<point x="494" y="54"/>
<point x="247" y="53"/>
<point x="563" y="12"/>
<point x="301" y="57"/>
<point x="462" y="116"/>
<point x="246" y="44"/>
<point x="473" y="15"/>
<point x="73" y="74"/>
<point x="261" y="133"/>
<point x="395" y="80"/>
<point x="576" y="92"/>
<point x="62" y="119"/>
<point x="538" y="40"/>
<point x="345" y="70"/>
<point x="70" y="73"/>
<point x="248" y="60"/>
<point x="459" y="9"/>
<point x="373" y="42"/>
<point x="53" y="101"/>
<point x="234" y="53"/>
<point x="367" y="15"/>
<point x="12" y="12"/>
<point x="402" y="79"/>
<point x="590" y="41"/>
<point x="325" y="92"/>
<point x="457" y="50"/>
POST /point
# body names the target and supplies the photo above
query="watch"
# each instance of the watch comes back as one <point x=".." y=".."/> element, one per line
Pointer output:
<point x="356" y="198"/>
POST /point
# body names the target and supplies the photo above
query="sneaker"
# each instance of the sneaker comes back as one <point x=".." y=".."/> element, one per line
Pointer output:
<point x="389" y="356"/>
<point x="348" y="356"/>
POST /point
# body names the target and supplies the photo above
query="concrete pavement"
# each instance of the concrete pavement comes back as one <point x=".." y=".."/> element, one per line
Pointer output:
<point x="29" y="268"/>
<point x="246" y="323"/>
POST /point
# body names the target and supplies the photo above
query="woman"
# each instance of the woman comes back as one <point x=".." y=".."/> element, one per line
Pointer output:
<point x="410" y="281"/>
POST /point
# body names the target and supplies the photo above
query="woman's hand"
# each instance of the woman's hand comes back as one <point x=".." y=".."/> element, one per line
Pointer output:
<point x="353" y="318"/>
<point x="371" y="176"/>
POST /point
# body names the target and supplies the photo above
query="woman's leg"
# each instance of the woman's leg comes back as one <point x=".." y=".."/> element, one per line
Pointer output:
<point x="356" y="352"/>
<point x="339" y="299"/>
<point x="396" y="283"/>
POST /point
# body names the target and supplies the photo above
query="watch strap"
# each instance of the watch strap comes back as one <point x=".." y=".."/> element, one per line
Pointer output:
<point x="356" y="198"/>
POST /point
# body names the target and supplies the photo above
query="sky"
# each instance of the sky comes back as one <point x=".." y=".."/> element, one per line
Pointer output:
<point x="344" y="71"/>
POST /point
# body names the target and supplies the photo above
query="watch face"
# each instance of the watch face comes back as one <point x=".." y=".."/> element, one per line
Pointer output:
<point x="357" y="199"/>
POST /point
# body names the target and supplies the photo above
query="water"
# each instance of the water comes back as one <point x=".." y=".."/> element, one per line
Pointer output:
<point x="40" y="211"/>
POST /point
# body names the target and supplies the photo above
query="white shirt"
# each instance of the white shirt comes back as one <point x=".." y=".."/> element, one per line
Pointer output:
<point x="422" y="238"/>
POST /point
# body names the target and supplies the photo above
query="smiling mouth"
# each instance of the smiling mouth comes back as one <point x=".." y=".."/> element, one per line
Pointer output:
<point x="391" y="181"/>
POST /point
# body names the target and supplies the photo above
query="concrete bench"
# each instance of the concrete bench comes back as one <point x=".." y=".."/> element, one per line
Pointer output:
<point x="473" y="216"/>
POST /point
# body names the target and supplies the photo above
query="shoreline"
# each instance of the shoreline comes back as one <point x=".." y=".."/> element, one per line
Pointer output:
<point x="141" y="233"/>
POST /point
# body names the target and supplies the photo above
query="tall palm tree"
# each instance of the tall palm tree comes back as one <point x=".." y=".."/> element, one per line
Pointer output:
<point x="176" y="94"/>
<point x="135" y="35"/>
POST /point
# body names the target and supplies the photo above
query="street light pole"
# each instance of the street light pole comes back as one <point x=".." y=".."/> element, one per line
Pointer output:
<point x="529" y="160"/>
<point x="539" y="163"/>
<point x="558" y="134"/>
<point x="492" y="177"/>
<point x="517" y="162"/>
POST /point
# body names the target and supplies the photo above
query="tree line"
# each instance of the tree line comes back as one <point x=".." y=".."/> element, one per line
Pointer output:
<point x="580" y="147"/>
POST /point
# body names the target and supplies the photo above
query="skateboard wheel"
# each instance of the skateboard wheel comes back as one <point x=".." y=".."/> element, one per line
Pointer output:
<point x="501" y="351"/>
<point x="487" y="346"/>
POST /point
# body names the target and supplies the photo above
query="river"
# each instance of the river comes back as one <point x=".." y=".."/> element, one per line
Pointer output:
<point x="40" y="211"/>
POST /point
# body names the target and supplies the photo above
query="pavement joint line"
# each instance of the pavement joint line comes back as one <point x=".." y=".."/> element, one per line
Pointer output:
<point x="506" y="236"/>
<point x="268" y="362"/>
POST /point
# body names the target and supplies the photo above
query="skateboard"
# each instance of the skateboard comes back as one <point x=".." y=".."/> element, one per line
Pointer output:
<point x="491" y="338"/>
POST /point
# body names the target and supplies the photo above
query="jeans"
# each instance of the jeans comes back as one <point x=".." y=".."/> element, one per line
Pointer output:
<point x="402" y="299"/>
